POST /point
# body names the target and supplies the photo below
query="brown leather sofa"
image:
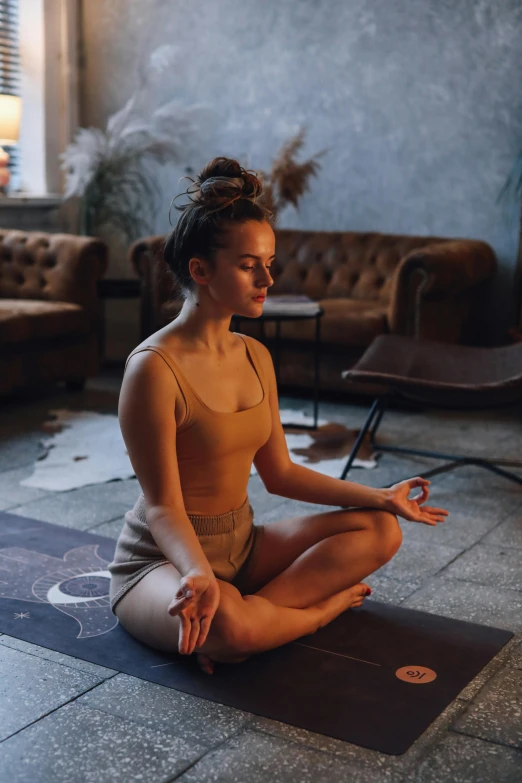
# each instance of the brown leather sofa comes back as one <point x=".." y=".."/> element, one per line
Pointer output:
<point x="367" y="283"/>
<point x="49" y="311"/>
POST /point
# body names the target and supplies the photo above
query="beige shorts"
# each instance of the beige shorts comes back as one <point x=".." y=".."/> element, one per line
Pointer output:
<point x="230" y="542"/>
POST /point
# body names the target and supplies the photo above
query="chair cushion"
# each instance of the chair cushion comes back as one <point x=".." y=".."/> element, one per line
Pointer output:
<point x="345" y="321"/>
<point x="34" y="319"/>
<point x="440" y="373"/>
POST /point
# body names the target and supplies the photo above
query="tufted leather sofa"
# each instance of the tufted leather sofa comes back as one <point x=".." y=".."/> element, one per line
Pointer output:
<point x="48" y="308"/>
<point x="367" y="283"/>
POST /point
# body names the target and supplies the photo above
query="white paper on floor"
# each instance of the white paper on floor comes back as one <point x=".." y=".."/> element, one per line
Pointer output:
<point x="90" y="450"/>
<point x="330" y="467"/>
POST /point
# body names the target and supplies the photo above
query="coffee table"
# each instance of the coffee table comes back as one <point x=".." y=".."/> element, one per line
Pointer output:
<point x="293" y="315"/>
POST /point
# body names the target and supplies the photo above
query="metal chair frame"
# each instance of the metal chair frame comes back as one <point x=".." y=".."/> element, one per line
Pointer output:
<point x="378" y="409"/>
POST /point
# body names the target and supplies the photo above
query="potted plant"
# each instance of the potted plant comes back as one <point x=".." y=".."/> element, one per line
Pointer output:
<point x="110" y="171"/>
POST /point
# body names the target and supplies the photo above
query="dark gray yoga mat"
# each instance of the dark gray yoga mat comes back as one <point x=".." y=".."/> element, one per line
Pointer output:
<point x="376" y="676"/>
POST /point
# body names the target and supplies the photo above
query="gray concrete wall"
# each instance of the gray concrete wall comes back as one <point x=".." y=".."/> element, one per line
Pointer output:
<point x="419" y="104"/>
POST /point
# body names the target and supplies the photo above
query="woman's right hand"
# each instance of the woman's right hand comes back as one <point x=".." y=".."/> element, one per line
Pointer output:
<point x="196" y="603"/>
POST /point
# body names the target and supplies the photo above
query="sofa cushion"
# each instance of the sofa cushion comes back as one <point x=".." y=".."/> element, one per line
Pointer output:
<point x="33" y="319"/>
<point x="344" y="322"/>
<point x="352" y="321"/>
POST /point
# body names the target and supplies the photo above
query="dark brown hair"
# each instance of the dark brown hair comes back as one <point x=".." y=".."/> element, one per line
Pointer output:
<point x="218" y="204"/>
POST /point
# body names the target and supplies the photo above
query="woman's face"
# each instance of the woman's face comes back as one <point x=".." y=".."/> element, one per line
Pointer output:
<point x="243" y="268"/>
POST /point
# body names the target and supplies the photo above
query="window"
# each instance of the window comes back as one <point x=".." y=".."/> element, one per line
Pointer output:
<point x="10" y="72"/>
<point x="47" y="73"/>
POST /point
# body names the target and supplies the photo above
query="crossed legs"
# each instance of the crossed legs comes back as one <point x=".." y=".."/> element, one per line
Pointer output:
<point x="307" y="572"/>
<point x="306" y="559"/>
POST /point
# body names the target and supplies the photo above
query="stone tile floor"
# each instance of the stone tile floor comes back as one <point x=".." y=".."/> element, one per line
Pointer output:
<point x="64" y="719"/>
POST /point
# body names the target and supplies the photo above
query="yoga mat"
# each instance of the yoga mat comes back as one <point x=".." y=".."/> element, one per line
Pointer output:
<point x="376" y="676"/>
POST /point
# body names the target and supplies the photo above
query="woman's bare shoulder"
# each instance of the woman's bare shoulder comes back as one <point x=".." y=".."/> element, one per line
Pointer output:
<point x="150" y="374"/>
<point x="167" y="343"/>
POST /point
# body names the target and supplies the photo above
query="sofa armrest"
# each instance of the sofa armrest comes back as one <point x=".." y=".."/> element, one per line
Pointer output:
<point x="52" y="267"/>
<point x="145" y="253"/>
<point x="451" y="272"/>
<point x="157" y="284"/>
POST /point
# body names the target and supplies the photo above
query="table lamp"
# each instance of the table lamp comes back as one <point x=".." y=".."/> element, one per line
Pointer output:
<point x="10" y="111"/>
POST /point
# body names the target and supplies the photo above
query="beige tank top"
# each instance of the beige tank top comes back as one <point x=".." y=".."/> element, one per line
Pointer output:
<point x="215" y="449"/>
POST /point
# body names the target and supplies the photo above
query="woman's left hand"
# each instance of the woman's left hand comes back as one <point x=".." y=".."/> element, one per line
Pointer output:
<point x="399" y="503"/>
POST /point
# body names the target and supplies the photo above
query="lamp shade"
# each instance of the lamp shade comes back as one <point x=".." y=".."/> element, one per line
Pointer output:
<point x="10" y="111"/>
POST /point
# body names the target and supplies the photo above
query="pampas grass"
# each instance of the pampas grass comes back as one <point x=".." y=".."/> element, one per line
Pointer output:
<point x="288" y="180"/>
<point x="110" y="171"/>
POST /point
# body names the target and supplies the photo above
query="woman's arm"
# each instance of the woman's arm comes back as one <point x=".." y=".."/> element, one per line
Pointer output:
<point x="283" y="477"/>
<point x="310" y="486"/>
<point x="147" y="419"/>
<point x="175" y="536"/>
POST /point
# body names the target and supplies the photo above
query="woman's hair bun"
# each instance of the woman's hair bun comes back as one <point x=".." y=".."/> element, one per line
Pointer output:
<point x="216" y="186"/>
<point x="221" y="182"/>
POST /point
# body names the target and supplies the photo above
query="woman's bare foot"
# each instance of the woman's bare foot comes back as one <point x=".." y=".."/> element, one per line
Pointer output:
<point x="207" y="664"/>
<point x="337" y="603"/>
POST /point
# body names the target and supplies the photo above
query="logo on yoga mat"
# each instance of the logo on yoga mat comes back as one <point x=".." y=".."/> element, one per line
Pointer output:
<point x="415" y="674"/>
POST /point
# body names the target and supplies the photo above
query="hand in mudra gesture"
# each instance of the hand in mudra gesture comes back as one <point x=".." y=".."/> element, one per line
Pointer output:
<point x="196" y="603"/>
<point x="402" y="505"/>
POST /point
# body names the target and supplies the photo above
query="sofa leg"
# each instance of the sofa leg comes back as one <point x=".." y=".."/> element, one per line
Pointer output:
<point x="75" y="384"/>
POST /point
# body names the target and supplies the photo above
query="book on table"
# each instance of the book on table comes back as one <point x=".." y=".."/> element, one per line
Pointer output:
<point x="281" y="304"/>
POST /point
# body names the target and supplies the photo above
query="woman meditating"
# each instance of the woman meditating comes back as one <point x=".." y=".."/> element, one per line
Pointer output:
<point x="192" y="572"/>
